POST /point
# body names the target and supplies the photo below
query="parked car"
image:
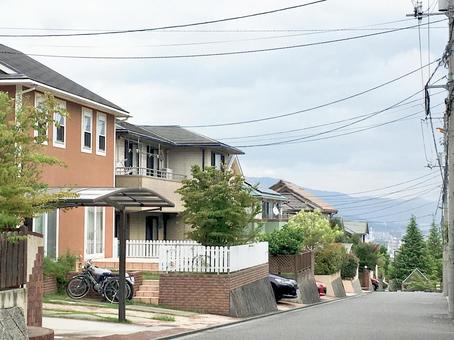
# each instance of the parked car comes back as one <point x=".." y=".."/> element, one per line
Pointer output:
<point x="321" y="288"/>
<point x="283" y="287"/>
<point x="375" y="283"/>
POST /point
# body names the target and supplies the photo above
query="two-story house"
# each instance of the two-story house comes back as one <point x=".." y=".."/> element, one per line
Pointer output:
<point x="159" y="158"/>
<point x="299" y="199"/>
<point x="84" y="140"/>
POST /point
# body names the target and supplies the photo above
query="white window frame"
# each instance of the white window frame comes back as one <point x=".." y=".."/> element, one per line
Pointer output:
<point x="101" y="116"/>
<point x="85" y="113"/>
<point x="95" y="255"/>
<point x="38" y="99"/>
<point x="56" y="143"/>
<point x="45" y="226"/>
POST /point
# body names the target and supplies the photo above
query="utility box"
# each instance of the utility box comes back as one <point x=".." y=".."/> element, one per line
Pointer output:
<point x="443" y="5"/>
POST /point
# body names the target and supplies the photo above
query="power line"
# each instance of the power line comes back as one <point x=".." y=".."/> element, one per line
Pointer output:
<point x="313" y="107"/>
<point x="310" y="138"/>
<point x="208" y="22"/>
<point x="377" y="189"/>
<point x="216" y="54"/>
<point x="197" y="30"/>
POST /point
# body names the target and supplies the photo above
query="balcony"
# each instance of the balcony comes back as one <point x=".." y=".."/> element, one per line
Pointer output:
<point x="164" y="182"/>
<point x="165" y="174"/>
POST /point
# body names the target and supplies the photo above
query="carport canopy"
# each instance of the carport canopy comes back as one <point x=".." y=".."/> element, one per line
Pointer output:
<point x="123" y="199"/>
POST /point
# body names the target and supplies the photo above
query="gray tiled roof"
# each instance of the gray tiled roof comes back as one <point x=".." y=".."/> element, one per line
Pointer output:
<point x="182" y="137"/>
<point x="356" y="227"/>
<point x="28" y="68"/>
<point x="174" y="136"/>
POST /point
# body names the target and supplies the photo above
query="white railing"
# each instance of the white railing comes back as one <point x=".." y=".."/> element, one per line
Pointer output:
<point x="163" y="173"/>
<point x="204" y="259"/>
<point x="148" y="249"/>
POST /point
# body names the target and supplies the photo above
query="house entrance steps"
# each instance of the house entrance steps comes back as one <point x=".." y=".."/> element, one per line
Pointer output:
<point x="148" y="292"/>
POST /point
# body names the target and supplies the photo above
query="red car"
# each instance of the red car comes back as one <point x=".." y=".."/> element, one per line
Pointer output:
<point x="321" y="288"/>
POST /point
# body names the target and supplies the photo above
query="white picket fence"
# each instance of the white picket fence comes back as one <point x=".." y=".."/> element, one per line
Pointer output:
<point x="201" y="259"/>
<point x="148" y="249"/>
<point x="189" y="256"/>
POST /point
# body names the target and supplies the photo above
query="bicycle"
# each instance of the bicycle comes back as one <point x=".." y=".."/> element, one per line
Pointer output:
<point x="100" y="280"/>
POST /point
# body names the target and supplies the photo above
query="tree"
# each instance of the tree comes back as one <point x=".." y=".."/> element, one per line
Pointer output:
<point x="22" y="195"/>
<point x="367" y="254"/>
<point x="412" y="254"/>
<point x="285" y="241"/>
<point x="329" y="259"/>
<point x="218" y="207"/>
<point x="434" y="245"/>
<point x="315" y="228"/>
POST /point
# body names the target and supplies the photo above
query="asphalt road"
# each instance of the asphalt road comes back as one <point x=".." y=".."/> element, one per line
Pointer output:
<point x="374" y="316"/>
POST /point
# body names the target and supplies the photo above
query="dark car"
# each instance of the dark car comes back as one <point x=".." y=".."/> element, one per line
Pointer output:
<point x="321" y="287"/>
<point x="283" y="287"/>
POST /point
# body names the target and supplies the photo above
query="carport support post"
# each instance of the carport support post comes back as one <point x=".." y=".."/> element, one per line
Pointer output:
<point x="122" y="266"/>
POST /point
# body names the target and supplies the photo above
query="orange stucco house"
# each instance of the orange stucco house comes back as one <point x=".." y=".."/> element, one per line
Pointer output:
<point x="84" y="141"/>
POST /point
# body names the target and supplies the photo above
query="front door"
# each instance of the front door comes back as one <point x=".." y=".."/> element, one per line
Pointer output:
<point x="152" y="228"/>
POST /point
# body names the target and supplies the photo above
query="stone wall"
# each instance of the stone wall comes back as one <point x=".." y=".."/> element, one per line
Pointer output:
<point x="12" y="324"/>
<point x="210" y="293"/>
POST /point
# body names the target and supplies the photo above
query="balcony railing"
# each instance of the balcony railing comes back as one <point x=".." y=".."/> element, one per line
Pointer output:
<point x="162" y="174"/>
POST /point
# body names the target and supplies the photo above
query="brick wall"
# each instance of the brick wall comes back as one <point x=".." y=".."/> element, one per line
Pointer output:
<point x="35" y="290"/>
<point x="207" y="293"/>
<point x="50" y="285"/>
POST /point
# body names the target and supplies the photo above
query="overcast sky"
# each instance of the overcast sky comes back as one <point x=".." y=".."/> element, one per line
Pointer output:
<point x="240" y="87"/>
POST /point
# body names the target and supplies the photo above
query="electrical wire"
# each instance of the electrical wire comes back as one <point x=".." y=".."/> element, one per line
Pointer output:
<point x="358" y="94"/>
<point x="215" y="54"/>
<point x="208" y="22"/>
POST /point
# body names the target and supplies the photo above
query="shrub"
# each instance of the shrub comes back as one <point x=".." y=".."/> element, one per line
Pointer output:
<point x="329" y="259"/>
<point x="59" y="269"/>
<point x="285" y="241"/>
<point x="349" y="267"/>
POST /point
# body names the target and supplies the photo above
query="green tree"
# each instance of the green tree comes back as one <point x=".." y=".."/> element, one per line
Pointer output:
<point x="367" y="254"/>
<point x="315" y="228"/>
<point x="434" y="245"/>
<point x="218" y="207"/>
<point x="412" y="253"/>
<point x="22" y="194"/>
<point x="329" y="259"/>
<point x="285" y="241"/>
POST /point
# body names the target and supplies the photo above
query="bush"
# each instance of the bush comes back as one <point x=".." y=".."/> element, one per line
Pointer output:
<point x="59" y="269"/>
<point x="285" y="241"/>
<point x="329" y="259"/>
<point x="349" y="267"/>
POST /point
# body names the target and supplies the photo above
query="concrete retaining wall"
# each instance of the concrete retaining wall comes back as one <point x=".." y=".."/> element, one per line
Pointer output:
<point x="12" y="324"/>
<point x="333" y="282"/>
<point x="352" y="286"/>
<point x="308" y="288"/>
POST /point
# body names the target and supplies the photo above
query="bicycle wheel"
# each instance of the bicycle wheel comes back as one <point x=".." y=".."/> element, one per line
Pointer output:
<point x="111" y="288"/>
<point x="77" y="287"/>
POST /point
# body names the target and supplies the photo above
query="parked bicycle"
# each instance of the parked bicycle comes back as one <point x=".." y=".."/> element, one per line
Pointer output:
<point x="100" y="280"/>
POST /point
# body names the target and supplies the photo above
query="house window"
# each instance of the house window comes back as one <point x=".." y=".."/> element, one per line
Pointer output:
<point x="94" y="231"/>
<point x="101" y="127"/>
<point x="47" y="225"/>
<point x="59" y="137"/>
<point x="217" y="160"/>
<point x="39" y="104"/>
<point x="87" y="126"/>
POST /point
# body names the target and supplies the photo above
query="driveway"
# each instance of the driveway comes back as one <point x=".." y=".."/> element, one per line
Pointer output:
<point x="413" y="316"/>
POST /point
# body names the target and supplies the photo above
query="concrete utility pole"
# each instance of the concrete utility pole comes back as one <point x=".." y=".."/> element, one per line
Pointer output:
<point x="449" y="118"/>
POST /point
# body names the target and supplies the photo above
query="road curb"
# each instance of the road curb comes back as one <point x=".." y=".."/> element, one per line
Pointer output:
<point x="175" y="336"/>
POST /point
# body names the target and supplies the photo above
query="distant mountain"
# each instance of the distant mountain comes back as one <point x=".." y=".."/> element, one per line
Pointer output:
<point x="384" y="214"/>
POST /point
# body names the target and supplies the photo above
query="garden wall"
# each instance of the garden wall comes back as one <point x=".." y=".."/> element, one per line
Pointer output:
<point x="333" y="282"/>
<point x="223" y="294"/>
<point x="352" y="286"/>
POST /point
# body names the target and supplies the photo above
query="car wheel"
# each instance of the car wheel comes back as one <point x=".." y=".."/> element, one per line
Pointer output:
<point x="277" y="296"/>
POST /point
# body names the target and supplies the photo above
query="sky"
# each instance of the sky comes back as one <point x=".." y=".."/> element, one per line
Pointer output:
<point x="213" y="90"/>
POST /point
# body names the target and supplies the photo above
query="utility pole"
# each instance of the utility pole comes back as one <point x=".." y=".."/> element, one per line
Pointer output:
<point x="447" y="7"/>
<point x="449" y="118"/>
